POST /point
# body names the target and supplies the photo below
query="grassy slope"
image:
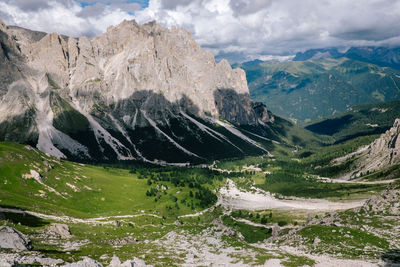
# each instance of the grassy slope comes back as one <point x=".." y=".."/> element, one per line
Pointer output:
<point x="293" y="173"/>
<point x="106" y="191"/>
<point x="365" y="119"/>
<point x="100" y="190"/>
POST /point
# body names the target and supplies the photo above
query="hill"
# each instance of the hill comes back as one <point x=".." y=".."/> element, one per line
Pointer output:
<point x="316" y="88"/>
<point x="381" y="56"/>
<point x="360" y="120"/>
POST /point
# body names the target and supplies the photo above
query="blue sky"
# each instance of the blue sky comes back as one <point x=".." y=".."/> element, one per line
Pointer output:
<point x="142" y="3"/>
<point x="235" y="29"/>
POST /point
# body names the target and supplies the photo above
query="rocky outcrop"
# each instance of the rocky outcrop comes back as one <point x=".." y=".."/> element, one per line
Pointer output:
<point x="382" y="153"/>
<point x="108" y="95"/>
<point x="24" y="259"/>
<point x="59" y="230"/>
<point x="11" y="238"/>
<point x="387" y="146"/>
<point x="387" y="203"/>
<point x="116" y="262"/>
<point x="86" y="262"/>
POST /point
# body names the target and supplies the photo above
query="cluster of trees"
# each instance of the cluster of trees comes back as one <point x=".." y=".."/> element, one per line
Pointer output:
<point x="206" y="196"/>
<point x="264" y="219"/>
<point x="198" y="180"/>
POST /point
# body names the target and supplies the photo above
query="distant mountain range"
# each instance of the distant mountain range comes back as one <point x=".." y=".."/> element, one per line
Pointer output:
<point x="321" y="85"/>
<point x="381" y="56"/>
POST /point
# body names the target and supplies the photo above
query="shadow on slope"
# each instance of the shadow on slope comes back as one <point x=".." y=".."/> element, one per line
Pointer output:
<point x="22" y="217"/>
<point x="391" y="258"/>
<point x="147" y="125"/>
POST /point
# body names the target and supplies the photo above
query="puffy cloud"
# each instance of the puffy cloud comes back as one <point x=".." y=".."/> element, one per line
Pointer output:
<point x="68" y="17"/>
<point x="235" y="29"/>
<point x="29" y="5"/>
<point x="246" y="29"/>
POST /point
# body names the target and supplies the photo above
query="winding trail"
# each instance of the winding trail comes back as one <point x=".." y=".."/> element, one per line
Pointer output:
<point x="340" y="181"/>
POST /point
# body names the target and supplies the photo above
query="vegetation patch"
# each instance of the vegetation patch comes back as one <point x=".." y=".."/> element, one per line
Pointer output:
<point x="250" y="233"/>
<point x="345" y="241"/>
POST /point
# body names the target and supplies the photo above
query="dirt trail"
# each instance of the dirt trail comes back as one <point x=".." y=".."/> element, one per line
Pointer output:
<point x="231" y="197"/>
<point x="340" y="181"/>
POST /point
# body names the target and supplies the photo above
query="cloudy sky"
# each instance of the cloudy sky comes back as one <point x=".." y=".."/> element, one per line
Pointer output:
<point x="235" y="29"/>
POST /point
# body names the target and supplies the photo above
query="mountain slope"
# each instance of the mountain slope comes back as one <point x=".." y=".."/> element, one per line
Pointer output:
<point x="312" y="89"/>
<point x="360" y="120"/>
<point x="381" y="56"/>
<point x="136" y="92"/>
<point x="377" y="160"/>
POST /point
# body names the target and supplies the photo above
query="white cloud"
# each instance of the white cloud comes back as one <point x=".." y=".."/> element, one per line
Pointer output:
<point x="248" y="29"/>
<point x="236" y="29"/>
<point x="64" y="17"/>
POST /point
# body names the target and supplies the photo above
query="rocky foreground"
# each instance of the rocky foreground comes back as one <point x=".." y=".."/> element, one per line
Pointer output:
<point x="369" y="220"/>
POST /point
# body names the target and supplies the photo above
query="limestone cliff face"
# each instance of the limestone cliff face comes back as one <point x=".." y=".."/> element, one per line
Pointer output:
<point x="385" y="150"/>
<point x="381" y="153"/>
<point x="105" y="88"/>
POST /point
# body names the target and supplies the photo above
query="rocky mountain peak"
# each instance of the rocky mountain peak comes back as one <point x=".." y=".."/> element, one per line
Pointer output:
<point x="3" y="27"/>
<point x="85" y="97"/>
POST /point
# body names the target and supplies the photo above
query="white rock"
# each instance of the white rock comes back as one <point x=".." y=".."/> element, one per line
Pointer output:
<point x="86" y="262"/>
<point x="11" y="238"/>
<point x="60" y="229"/>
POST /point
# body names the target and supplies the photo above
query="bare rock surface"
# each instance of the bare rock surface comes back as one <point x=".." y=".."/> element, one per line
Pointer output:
<point x="60" y="230"/>
<point x="11" y="238"/>
<point x="384" y="151"/>
<point x="381" y="153"/>
<point x="86" y="262"/>
<point x="387" y="202"/>
<point x="84" y="97"/>
<point x="16" y="259"/>
<point x="116" y="262"/>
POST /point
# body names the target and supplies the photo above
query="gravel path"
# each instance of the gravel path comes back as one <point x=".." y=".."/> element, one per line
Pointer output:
<point x="341" y="181"/>
<point x="232" y="198"/>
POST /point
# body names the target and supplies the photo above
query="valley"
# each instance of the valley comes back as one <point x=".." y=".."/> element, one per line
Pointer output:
<point x="253" y="211"/>
<point x="135" y="147"/>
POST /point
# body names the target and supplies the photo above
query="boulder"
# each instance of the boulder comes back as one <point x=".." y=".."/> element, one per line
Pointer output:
<point x="24" y="259"/>
<point x="116" y="262"/>
<point x="11" y="238"/>
<point x="316" y="241"/>
<point x="86" y="262"/>
<point x="62" y="230"/>
<point x="275" y="231"/>
<point x="7" y="263"/>
<point x="35" y="175"/>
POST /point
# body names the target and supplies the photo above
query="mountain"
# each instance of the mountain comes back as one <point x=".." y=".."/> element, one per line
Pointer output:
<point x="317" y="54"/>
<point x="136" y="92"/>
<point x="360" y="120"/>
<point x="316" y="88"/>
<point x="382" y="153"/>
<point x="381" y="56"/>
